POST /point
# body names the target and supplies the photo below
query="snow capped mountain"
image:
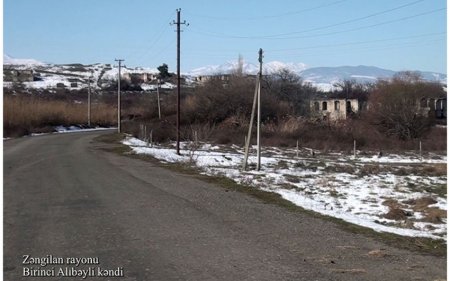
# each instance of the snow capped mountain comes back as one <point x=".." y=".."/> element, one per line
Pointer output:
<point x="49" y="75"/>
<point x="322" y="77"/>
<point x="360" y="73"/>
<point x="325" y="77"/>
<point x="10" y="60"/>
<point x="226" y="68"/>
<point x="434" y="76"/>
<point x="247" y="68"/>
<point x="275" y="66"/>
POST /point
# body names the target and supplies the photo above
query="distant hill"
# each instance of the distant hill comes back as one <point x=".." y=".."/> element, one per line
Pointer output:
<point x="7" y="60"/>
<point x="248" y="68"/>
<point x="322" y="77"/>
<point x="325" y="77"/>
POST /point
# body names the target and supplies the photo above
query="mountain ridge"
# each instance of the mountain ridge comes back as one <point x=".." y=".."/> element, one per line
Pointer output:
<point x="322" y="77"/>
<point x="8" y="60"/>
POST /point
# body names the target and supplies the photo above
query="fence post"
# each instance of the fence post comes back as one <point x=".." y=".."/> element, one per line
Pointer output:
<point x="151" y="138"/>
<point x="420" y="150"/>
<point x="145" y="134"/>
<point x="354" y="148"/>
<point x="297" y="149"/>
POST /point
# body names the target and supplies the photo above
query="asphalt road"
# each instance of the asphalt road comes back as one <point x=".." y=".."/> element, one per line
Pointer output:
<point x="65" y="197"/>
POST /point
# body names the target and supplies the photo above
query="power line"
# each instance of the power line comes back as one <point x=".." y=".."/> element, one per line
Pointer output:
<point x="336" y="32"/>
<point x="149" y="44"/>
<point x="365" y="49"/>
<point x="363" y="27"/>
<point x="358" y="42"/>
<point x="221" y="54"/>
<point x="277" y="36"/>
<point x="268" y="16"/>
<point x="165" y="48"/>
<point x="352" y="20"/>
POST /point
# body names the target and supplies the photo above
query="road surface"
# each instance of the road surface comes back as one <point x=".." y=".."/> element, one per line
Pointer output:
<point x="65" y="197"/>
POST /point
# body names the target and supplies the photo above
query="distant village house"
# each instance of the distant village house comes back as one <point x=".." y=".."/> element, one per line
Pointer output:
<point x="225" y="78"/>
<point x="139" y="78"/>
<point x="433" y="107"/>
<point x="14" y="75"/>
<point x="334" y="109"/>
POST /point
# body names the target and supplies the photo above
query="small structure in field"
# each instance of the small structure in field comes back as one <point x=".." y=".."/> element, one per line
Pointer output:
<point x="16" y="75"/>
<point x="434" y="107"/>
<point x="334" y="109"/>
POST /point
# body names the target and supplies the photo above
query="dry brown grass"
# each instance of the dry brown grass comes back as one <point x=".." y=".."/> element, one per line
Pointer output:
<point x="435" y="215"/>
<point x="431" y="214"/>
<point x="27" y="114"/>
<point x="420" y="204"/>
<point x="395" y="210"/>
<point x="393" y="204"/>
<point x="434" y="170"/>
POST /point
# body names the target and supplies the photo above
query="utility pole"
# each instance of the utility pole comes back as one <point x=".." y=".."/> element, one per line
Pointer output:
<point x="256" y="101"/>
<point x="159" y="102"/>
<point x="89" y="100"/>
<point x="118" y="98"/>
<point x="178" y="23"/>
<point x="258" y="128"/>
<point x="249" y="135"/>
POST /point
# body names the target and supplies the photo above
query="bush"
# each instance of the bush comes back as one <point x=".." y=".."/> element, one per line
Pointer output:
<point x="394" y="106"/>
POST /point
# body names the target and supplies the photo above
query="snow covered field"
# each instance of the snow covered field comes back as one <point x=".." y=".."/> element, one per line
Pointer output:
<point x="393" y="193"/>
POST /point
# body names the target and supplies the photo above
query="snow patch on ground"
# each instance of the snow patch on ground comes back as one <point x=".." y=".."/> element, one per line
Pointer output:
<point x="323" y="185"/>
<point x="72" y="129"/>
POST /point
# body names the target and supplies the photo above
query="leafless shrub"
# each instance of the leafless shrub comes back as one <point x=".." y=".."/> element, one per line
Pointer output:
<point x="394" y="106"/>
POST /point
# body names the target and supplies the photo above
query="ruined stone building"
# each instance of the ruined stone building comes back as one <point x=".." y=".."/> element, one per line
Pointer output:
<point x="202" y="79"/>
<point x="333" y="109"/>
<point x="224" y="78"/>
<point x="139" y="78"/>
<point x="15" y="75"/>
<point x="433" y="107"/>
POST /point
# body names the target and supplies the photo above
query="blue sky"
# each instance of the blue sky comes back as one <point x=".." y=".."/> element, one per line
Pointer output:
<point x="397" y="35"/>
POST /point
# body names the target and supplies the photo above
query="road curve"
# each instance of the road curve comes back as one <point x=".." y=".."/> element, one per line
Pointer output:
<point x="65" y="197"/>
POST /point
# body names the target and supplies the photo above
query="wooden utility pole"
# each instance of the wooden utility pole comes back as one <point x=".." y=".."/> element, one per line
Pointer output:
<point x="178" y="23"/>
<point x="256" y="100"/>
<point x="159" y="101"/>
<point x="258" y="130"/>
<point x="89" y="100"/>
<point x="118" y="98"/>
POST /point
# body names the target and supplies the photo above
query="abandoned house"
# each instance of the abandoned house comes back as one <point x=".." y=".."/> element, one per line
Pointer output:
<point x="334" y="109"/>
<point x="139" y="78"/>
<point x="204" y="78"/>
<point x="73" y="82"/>
<point x="433" y="107"/>
<point x="225" y="78"/>
<point x="14" y="75"/>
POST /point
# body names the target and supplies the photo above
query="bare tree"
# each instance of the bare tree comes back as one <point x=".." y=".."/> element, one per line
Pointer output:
<point x="394" y="106"/>
<point x="287" y="86"/>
